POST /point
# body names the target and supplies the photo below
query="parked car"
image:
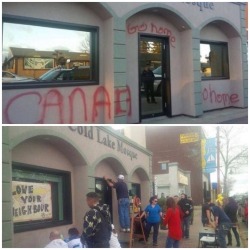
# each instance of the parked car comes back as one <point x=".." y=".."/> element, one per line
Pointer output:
<point x="10" y="77"/>
<point x="62" y="74"/>
<point x="158" y="82"/>
<point x="58" y="74"/>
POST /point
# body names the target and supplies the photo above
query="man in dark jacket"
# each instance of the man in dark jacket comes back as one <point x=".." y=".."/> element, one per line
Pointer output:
<point x="222" y="224"/>
<point x="148" y="79"/>
<point x="97" y="223"/>
<point x="186" y="208"/>
<point x="231" y="209"/>
<point x="123" y="201"/>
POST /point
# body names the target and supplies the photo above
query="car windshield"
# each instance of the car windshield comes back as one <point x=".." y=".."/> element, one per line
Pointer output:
<point x="50" y="75"/>
<point x="158" y="71"/>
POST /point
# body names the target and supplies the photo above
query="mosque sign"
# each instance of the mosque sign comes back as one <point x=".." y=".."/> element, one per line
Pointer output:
<point x="202" y="5"/>
<point x="31" y="201"/>
<point x="105" y="139"/>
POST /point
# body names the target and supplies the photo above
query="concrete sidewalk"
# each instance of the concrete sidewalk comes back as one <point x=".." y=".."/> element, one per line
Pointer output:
<point x="221" y="116"/>
<point x="192" y="242"/>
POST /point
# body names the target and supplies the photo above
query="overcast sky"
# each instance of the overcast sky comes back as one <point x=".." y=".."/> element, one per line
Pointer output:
<point x="240" y="138"/>
<point x="41" y="38"/>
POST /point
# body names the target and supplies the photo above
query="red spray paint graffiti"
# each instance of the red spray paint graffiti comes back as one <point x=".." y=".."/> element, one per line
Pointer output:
<point x="55" y="103"/>
<point x="53" y="99"/>
<point x="71" y="104"/>
<point x="210" y="95"/>
<point x="101" y="99"/>
<point x="18" y="97"/>
<point x="152" y="28"/>
<point x="123" y="94"/>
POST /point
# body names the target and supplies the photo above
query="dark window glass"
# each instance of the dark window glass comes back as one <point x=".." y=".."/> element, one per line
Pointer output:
<point x="41" y="51"/>
<point x="214" y="60"/>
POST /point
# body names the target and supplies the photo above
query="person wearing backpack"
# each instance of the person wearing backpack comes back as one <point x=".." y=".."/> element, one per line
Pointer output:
<point x="97" y="223"/>
<point x="186" y="208"/>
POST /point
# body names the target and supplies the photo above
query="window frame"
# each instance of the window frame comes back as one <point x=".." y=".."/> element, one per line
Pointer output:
<point x="59" y="198"/>
<point x="227" y="60"/>
<point x="94" y="57"/>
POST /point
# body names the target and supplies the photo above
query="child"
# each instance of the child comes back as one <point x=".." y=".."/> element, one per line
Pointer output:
<point x="114" y="243"/>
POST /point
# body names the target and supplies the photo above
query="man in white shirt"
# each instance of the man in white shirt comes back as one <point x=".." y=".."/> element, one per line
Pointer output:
<point x="56" y="241"/>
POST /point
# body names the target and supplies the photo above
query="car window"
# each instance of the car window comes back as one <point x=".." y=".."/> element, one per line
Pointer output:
<point x="7" y="74"/>
<point x="51" y="74"/>
<point x="62" y="76"/>
<point x="158" y="71"/>
<point x="82" y="74"/>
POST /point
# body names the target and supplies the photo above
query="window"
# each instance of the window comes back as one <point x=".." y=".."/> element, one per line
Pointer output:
<point x="164" y="166"/>
<point x="42" y="52"/>
<point x="214" y="60"/>
<point x="41" y="198"/>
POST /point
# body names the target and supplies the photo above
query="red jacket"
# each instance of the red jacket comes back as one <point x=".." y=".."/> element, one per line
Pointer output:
<point x="173" y="220"/>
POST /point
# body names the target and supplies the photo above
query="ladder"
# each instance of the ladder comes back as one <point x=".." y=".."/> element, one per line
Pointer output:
<point x="136" y="220"/>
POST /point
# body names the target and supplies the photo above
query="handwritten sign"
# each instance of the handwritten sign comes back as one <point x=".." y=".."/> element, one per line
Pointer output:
<point x="31" y="201"/>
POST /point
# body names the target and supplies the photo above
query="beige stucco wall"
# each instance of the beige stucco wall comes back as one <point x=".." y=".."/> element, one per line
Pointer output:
<point x="85" y="158"/>
<point x="75" y="13"/>
<point x="118" y="55"/>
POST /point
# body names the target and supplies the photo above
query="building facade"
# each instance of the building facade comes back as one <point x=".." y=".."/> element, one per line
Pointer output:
<point x="178" y="147"/>
<point x="175" y="182"/>
<point x="47" y="172"/>
<point x="197" y="51"/>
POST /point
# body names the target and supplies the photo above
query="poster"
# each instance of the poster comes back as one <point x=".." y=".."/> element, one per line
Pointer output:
<point x="38" y="63"/>
<point x="31" y="201"/>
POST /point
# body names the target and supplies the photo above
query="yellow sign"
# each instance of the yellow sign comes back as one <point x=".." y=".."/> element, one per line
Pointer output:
<point x="31" y="201"/>
<point x="203" y="152"/>
<point x="188" y="138"/>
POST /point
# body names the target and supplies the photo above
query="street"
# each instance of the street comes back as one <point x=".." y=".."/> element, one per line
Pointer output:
<point x="193" y="241"/>
<point x="241" y="120"/>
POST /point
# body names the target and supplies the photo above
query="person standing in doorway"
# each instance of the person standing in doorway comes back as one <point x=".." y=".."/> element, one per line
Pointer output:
<point x="148" y="79"/>
<point x="123" y="201"/>
<point x="186" y="207"/>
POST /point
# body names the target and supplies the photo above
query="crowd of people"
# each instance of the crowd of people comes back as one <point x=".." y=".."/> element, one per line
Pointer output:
<point x="175" y="213"/>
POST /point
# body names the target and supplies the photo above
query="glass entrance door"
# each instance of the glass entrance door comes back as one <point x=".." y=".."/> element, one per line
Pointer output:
<point x="153" y="56"/>
<point x="104" y="192"/>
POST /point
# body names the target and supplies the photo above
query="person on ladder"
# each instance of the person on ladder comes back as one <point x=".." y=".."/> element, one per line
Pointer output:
<point x="123" y="201"/>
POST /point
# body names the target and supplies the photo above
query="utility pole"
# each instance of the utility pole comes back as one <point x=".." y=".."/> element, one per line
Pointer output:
<point x="218" y="160"/>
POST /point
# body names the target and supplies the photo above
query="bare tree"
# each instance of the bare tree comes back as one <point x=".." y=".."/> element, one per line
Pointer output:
<point x="85" y="45"/>
<point x="233" y="154"/>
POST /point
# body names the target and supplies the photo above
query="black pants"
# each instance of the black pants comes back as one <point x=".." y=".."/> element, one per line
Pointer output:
<point x="236" y="234"/>
<point x="156" y="230"/>
<point x="102" y="244"/>
<point x="149" y="89"/>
